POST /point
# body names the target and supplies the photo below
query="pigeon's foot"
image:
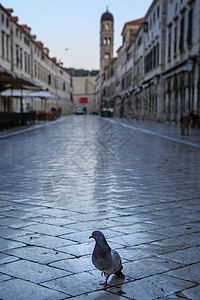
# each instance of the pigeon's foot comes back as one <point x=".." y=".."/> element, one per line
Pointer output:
<point x="103" y="273"/>
<point x="105" y="284"/>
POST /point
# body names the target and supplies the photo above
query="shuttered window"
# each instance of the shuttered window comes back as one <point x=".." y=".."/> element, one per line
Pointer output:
<point x="181" y="42"/>
<point x="190" y="21"/>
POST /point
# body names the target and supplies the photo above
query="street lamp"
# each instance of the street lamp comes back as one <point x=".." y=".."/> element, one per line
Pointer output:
<point x="155" y="80"/>
<point x="190" y="64"/>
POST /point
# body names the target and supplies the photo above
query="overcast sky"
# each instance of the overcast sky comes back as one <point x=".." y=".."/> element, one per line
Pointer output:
<point x="75" y="25"/>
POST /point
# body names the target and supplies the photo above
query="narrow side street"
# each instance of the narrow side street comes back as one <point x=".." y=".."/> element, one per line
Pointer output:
<point x="137" y="182"/>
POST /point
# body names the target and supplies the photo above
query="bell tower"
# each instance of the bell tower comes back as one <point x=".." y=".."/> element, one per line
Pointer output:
<point x="106" y="39"/>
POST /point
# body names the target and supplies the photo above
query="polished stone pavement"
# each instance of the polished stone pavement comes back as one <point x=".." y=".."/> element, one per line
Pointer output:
<point x="136" y="181"/>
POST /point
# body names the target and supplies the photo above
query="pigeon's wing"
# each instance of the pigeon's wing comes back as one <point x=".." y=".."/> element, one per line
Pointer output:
<point x="117" y="263"/>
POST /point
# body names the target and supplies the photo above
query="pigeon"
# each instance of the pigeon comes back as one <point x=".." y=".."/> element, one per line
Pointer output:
<point x="104" y="258"/>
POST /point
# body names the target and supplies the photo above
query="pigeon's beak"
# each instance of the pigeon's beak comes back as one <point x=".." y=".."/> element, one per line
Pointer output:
<point x="91" y="237"/>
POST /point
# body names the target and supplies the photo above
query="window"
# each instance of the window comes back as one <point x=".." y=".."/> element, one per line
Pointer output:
<point x="107" y="26"/>
<point x="158" y="12"/>
<point x="7" y="47"/>
<point x="21" y="58"/>
<point x="190" y="21"/>
<point x="145" y="25"/>
<point x="105" y="41"/>
<point x="169" y="44"/>
<point x="181" y="41"/>
<point x="35" y="68"/>
<point x="154" y="18"/>
<point x="3" y="44"/>
<point x="175" y="39"/>
<point x="25" y="62"/>
<point x="29" y="64"/>
<point x="109" y="41"/>
<point x="7" y="21"/>
<point x="63" y="86"/>
<point x="107" y="56"/>
<point x="49" y="79"/>
<point x="2" y="18"/>
<point x="154" y="56"/>
<point x="17" y="56"/>
<point x="157" y="51"/>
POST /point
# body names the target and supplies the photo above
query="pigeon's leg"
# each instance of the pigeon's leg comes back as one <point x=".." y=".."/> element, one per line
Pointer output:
<point x="105" y="284"/>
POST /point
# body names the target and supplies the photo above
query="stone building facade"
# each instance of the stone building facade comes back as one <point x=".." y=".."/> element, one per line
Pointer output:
<point x="182" y="65"/>
<point x="84" y="93"/>
<point x="157" y="71"/>
<point x="25" y="64"/>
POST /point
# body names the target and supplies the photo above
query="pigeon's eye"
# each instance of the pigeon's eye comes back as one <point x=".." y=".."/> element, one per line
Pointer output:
<point x="94" y="234"/>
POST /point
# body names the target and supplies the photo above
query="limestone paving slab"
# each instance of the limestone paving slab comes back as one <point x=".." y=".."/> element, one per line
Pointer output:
<point x="136" y="238"/>
<point x="153" y="287"/>
<point x="38" y="254"/>
<point x="20" y="214"/>
<point x="46" y="241"/>
<point x="6" y="244"/>
<point x="83" y="236"/>
<point x="31" y="271"/>
<point x="75" y="284"/>
<point x="95" y="216"/>
<point x="148" y="266"/>
<point x="191" y="293"/>
<point x="77" y="250"/>
<point x="138" y="227"/>
<point x="81" y="283"/>
<point x="22" y="290"/>
<point x="139" y="252"/>
<point x="100" y="295"/>
<point x="169" y="221"/>
<point x="83" y="248"/>
<point x="55" y="221"/>
<point x="4" y="277"/>
<point x="15" y="222"/>
<point x="191" y="273"/>
<point x="75" y="265"/>
<point x="4" y="258"/>
<point x="177" y="243"/>
<point x="55" y="212"/>
<point x="48" y="229"/>
<point x="93" y="225"/>
<point x="171" y="231"/>
<point x="8" y="232"/>
<point x="185" y="256"/>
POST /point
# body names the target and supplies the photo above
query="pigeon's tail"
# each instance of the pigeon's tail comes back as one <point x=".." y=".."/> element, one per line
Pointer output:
<point x="119" y="274"/>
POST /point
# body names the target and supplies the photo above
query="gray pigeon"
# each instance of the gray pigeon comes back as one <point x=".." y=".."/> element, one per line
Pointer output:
<point x="104" y="258"/>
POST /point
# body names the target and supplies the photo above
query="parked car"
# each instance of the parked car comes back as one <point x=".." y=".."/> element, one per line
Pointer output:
<point x="79" y="110"/>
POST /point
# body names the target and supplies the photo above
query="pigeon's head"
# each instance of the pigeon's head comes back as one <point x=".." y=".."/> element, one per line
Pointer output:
<point x="98" y="236"/>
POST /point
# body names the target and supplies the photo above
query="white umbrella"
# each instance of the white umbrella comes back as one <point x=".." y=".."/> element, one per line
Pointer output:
<point x="43" y="94"/>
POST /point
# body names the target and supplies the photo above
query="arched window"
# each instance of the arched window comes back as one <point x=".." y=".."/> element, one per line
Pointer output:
<point x="109" y="41"/>
<point x="107" y="55"/>
<point x="107" y="26"/>
<point x="105" y="41"/>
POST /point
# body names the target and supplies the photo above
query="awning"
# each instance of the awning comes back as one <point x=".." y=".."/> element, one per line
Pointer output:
<point x="9" y="79"/>
<point x="15" y="93"/>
